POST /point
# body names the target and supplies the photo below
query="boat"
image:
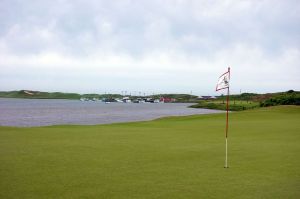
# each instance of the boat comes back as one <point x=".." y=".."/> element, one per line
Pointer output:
<point x="156" y="101"/>
<point x="83" y="99"/>
<point x="118" y="100"/>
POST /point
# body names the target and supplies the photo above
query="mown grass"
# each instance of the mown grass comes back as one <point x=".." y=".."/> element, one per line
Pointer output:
<point x="177" y="157"/>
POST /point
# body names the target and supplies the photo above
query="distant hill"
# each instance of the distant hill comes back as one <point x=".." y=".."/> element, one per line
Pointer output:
<point x="51" y="95"/>
<point x="38" y="95"/>
<point x="246" y="101"/>
<point x="291" y="95"/>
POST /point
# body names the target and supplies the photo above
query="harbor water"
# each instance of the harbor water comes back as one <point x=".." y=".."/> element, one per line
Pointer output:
<point x="45" y="112"/>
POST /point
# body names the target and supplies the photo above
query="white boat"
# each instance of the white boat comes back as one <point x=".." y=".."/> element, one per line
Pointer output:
<point x="118" y="100"/>
<point x="126" y="100"/>
<point x="156" y="101"/>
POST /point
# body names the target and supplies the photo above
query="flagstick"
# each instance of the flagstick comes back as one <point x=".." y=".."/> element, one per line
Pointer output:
<point x="226" y="135"/>
<point x="226" y="166"/>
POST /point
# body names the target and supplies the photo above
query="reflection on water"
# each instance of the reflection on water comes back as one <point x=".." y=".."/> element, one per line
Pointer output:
<point x="44" y="112"/>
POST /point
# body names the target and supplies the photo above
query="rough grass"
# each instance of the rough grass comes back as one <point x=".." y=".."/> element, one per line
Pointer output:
<point x="234" y="105"/>
<point x="177" y="157"/>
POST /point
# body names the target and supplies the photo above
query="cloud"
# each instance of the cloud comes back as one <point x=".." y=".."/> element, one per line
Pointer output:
<point x="170" y="46"/>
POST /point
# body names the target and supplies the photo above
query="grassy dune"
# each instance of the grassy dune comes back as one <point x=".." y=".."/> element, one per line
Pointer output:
<point x="177" y="157"/>
<point x="234" y="105"/>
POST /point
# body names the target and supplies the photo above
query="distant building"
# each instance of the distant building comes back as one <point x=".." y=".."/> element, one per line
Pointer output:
<point x="206" y="97"/>
<point x="167" y="99"/>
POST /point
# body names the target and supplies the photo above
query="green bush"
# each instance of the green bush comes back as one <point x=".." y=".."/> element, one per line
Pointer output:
<point x="221" y="106"/>
<point x="289" y="98"/>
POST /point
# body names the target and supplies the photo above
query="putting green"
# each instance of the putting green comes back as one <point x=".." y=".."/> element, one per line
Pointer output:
<point x="177" y="157"/>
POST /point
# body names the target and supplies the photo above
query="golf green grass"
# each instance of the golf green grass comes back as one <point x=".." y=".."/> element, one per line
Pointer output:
<point x="177" y="157"/>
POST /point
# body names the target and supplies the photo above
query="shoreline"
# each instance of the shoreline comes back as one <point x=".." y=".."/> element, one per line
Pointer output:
<point x="113" y="123"/>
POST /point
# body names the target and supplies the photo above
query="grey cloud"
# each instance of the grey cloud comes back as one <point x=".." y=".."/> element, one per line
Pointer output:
<point x="138" y="27"/>
<point x="204" y="33"/>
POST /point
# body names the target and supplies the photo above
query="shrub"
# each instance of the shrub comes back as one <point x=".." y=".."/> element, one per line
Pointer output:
<point x="289" y="98"/>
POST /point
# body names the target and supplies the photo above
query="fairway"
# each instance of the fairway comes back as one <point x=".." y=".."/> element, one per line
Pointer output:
<point x="176" y="157"/>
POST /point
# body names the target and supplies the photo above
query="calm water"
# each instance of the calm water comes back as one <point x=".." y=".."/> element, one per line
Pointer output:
<point x="44" y="112"/>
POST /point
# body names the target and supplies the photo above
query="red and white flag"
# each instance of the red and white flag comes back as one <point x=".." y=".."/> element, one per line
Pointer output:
<point x="223" y="81"/>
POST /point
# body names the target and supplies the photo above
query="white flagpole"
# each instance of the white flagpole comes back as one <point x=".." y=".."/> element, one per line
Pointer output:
<point x="226" y="166"/>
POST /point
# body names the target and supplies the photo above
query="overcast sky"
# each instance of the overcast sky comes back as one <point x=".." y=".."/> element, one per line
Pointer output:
<point x="157" y="46"/>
